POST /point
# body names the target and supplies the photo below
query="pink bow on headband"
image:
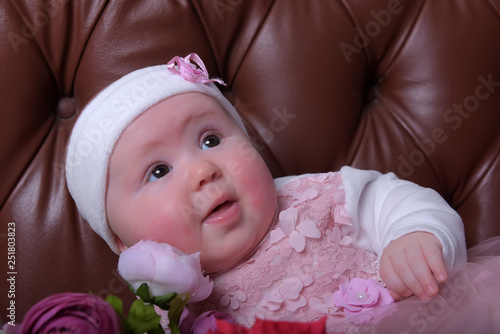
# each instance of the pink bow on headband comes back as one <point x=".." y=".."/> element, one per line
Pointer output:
<point x="192" y="69"/>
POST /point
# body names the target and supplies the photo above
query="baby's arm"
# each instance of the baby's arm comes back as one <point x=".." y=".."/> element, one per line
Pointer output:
<point x="386" y="212"/>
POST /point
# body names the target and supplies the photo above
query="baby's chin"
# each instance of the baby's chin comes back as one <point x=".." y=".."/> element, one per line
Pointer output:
<point x="211" y="268"/>
<point x="217" y="266"/>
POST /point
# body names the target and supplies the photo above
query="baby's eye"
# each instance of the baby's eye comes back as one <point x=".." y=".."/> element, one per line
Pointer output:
<point x="210" y="141"/>
<point x="159" y="172"/>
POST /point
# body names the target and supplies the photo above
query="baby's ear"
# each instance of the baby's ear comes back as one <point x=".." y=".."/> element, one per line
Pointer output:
<point x="119" y="243"/>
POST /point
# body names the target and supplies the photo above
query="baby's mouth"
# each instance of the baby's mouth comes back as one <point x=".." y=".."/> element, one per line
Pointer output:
<point x="221" y="207"/>
<point x="220" y="212"/>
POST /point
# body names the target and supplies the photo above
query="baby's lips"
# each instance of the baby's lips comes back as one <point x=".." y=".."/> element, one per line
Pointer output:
<point x="226" y="212"/>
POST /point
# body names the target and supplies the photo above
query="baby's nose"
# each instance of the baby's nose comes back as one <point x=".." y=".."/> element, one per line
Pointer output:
<point x="203" y="172"/>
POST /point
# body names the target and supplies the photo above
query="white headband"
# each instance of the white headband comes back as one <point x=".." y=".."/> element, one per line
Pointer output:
<point x="102" y="121"/>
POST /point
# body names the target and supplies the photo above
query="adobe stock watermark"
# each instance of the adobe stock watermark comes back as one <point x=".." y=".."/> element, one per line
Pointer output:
<point x="215" y="189"/>
<point x="115" y="285"/>
<point x="430" y="312"/>
<point x="119" y="115"/>
<point x="31" y="26"/>
<point x="454" y="117"/>
<point x="364" y="35"/>
<point x="223" y="6"/>
<point x="277" y="123"/>
<point x="11" y="273"/>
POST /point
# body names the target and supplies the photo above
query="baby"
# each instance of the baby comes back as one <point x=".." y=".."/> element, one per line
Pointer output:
<point x="160" y="154"/>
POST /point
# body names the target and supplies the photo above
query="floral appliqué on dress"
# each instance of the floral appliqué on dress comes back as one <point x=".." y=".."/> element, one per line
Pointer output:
<point x="301" y="263"/>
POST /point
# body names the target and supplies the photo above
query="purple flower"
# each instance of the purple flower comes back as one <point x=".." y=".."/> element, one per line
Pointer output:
<point x="165" y="269"/>
<point x="359" y="296"/>
<point x="71" y="313"/>
<point x="206" y="321"/>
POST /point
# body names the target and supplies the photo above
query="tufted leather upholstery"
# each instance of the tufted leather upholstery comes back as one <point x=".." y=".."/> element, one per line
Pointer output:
<point x="393" y="85"/>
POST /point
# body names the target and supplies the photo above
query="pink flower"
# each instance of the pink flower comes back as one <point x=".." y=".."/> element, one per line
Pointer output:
<point x="70" y="313"/>
<point x="324" y="306"/>
<point x="359" y="296"/>
<point x="233" y="299"/>
<point x="288" y="294"/>
<point x="206" y="322"/>
<point x="287" y="227"/>
<point x="165" y="269"/>
<point x="191" y="68"/>
<point x="335" y="235"/>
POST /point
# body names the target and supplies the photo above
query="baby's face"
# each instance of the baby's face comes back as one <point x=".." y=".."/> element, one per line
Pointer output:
<point x="184" y="173"/>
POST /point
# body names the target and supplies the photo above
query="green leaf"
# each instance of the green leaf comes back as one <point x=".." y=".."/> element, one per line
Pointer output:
<point x="116" y="303"/>
<point x="163" y="302"/>
<point x="143" y="292"/>
<point x="142" y="317"/>
<point x="174" y="314"/>
<point x="174" y="328"/>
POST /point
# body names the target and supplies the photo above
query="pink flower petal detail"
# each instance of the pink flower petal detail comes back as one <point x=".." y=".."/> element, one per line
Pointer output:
<point x="235" y="304"/>
<point x="270" y="304"/>
<point x="339" y="269"/>
<point x="308" y="229"/>
<point x="291" y="287"/>
<point x="318" y="306"/>
<point x="346" y="240"/>
<point x="340" y="216"/>
<point x="287" y="220"/>
<point x="294" y="305"/>
<point x="310" y="193"/>
<point x="306" y="279"/>
<point x="275" y="296"/>
<point x="276" y="235"/>
<point x="359" y="296"/>
<point x="297" y="241"/>
<point x="240" y="296"/>
<point x="325" y="306"/>
<point x="301" y="197"/>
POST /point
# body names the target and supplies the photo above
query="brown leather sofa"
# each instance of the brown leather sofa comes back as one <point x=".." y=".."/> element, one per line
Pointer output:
<point x="406" y="86"/>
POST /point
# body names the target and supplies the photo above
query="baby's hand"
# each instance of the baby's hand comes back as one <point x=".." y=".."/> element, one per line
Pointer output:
<point x="410" y="263"/>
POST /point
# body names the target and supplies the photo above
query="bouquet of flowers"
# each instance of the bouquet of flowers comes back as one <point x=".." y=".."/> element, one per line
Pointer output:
<point x="163" y="278"/>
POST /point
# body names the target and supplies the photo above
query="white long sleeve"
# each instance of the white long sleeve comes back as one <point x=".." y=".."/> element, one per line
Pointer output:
<point x="383" y="208"/>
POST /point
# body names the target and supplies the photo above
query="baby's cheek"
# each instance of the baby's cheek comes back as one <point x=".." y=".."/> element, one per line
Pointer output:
<point x="158" y="229"/>
<point x="173" y="232"/>
<point x="262" y="195"/>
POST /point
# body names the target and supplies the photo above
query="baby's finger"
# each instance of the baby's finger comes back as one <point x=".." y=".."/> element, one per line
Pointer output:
<point x="434" y="258"/>
<point x="395" y="295"/>
<point x="426" y="286"/>
<point x="394" y="284"/>
<point x="410" y="267"/>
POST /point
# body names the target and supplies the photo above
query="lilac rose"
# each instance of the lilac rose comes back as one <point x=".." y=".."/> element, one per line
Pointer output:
<point x="71" y="313"/>
<point x="165" y="269"/>
<point x="360" y="296"/>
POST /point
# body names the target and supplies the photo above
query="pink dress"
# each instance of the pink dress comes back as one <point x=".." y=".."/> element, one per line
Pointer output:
<point x="300" y="264"/>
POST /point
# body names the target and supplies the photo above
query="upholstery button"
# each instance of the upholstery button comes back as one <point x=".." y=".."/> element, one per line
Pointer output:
<point x="66" y="108"/>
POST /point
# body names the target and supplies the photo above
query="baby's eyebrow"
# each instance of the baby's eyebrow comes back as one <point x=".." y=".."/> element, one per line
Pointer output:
<point x="154" y="141"/>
